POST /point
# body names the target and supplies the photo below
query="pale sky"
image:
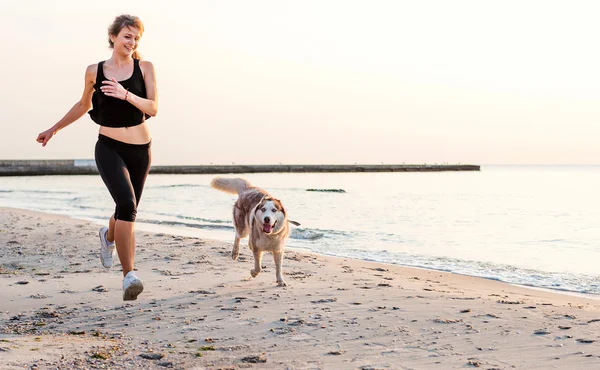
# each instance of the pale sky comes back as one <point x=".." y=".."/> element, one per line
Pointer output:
<point x="306" y="82"/>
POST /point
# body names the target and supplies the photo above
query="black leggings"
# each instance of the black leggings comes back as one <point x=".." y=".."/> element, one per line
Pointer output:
<point x="123" y="168"/>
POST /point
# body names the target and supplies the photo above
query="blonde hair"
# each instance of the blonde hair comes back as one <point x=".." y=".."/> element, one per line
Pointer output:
<point x="122" y="21"/>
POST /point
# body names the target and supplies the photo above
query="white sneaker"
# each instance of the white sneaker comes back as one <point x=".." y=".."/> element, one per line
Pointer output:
<point x="107" y="249"/>
<point x="132" y="286"/>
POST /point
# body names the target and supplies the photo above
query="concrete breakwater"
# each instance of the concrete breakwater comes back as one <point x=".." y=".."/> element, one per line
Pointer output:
<point x="88" y="167"/>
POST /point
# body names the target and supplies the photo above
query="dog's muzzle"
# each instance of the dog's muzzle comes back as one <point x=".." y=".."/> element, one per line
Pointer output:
<point x="267" y="227"/>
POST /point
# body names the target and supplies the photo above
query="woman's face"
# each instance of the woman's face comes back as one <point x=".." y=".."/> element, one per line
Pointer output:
<point x="126" y="41"/>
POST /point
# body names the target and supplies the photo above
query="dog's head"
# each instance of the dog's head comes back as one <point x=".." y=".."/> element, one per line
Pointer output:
<point x="270" y="215"/>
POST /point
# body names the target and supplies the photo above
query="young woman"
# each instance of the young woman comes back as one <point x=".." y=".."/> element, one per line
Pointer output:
<point x="122" y="94"/>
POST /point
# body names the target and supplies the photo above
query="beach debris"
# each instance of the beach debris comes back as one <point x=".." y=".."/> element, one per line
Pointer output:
<point x="167" y="272"/>
<point x="295" y="322"/>
<point x="474" y="362"/>
<point x="465" y="298"/>
<point x="100" y="288"/>
<point x="491" y="315"/>
<point x="384" y="284"/>
<point x="593" y="320"/>
<point x="152" y="356"/>
<point x="24" y="282"/>
<point x="328" y="190"/>
<point x="229" y="308"/>
<point x="47" y="314"/>
<point x="380" y="269"/>
<point x="4" y="271"/>
<point x="165" y="364"/>
<point x="201" y="291"/>
<point x="196" y="262"/>
<point x="76" y="332"/>
<point x="255" y="359"/>
<point x="585" y="340"/>
<point x="336" y="352"/>
<point x="297" y="274"/>
<point x="100" y="355"/>
<point x="564" y="327"/>
<point x="284" y="330"/>
<point x="39" y="296"/>
<point x="446" y="321"/>
<point x="208" y="348"/>
<point x="328" y="300"/>
<point x="502" y="301"/>
<point x="541" y="332"/>
<point x="465" y="311"/>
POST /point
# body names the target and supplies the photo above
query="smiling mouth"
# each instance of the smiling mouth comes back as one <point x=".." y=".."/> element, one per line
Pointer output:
<point x="267" y="228"/>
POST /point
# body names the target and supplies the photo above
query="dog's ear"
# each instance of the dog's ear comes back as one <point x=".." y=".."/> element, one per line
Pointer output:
<point x="280" y="206"/>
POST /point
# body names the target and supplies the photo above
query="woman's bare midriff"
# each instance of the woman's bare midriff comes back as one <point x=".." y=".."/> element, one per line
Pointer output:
<point x="139" y="134"/>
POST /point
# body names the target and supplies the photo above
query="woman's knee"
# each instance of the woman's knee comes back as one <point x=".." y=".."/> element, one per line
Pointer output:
<point x="126" y="211"/>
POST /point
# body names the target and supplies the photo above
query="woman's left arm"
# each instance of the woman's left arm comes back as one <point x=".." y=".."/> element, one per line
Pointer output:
<point x="148" y="105"/>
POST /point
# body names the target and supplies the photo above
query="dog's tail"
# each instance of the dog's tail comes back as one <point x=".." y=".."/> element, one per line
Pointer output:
<point x="233" y="185"/>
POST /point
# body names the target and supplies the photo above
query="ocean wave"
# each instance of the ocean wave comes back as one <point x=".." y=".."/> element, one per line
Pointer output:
<point x="36" y="191"/>
<point x="565" y="282"/>
<point x="296" y="233"/>
<point x="186" y="224"/>
<point x="174" y="186"/>
<point x="192" y="218"/>
<point x="200" y="219"/>
<point x="305" y="234"/>
<point x="85" y="207"/>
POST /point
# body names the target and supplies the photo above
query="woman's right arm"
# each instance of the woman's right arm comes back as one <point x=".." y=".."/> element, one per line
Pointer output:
<point x="77" y="111"/>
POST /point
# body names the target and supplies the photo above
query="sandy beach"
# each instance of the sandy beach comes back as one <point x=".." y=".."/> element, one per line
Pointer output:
<point x="202" y="310"/>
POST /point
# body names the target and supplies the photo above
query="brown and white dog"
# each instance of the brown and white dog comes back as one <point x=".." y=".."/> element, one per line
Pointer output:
<point x="261" y="218"/>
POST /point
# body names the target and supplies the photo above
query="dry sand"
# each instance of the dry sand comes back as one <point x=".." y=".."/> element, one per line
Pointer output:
<point x="200" y="309"/>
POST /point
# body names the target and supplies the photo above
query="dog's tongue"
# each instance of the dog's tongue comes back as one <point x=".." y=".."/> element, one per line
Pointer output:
<point x="267" y="228"/>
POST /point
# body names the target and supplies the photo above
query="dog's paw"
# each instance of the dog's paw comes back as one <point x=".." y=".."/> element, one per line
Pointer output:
<point x="254" y="273"/>
<point x="235" y="255"/>
<point x="281" y="283"/>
